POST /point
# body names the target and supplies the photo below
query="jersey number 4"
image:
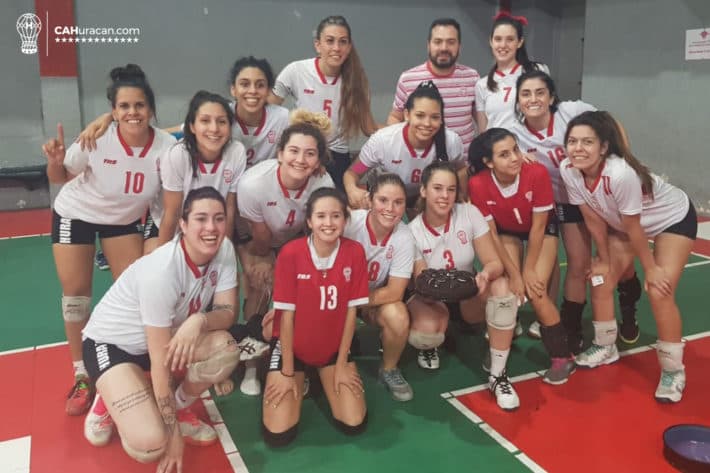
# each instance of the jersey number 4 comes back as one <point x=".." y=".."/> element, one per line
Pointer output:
<point x="328" y="297"/>
<point x="291" y="218"/>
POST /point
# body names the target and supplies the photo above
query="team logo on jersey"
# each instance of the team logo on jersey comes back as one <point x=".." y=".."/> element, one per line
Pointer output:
<point x="347" y="272"/>
<point x="528" y="196"/>
<point x="271" y="137"/>
<point x="532" y="150"/>
<point x="462" y="237"/>
<point x="228" y="176"/>
<point x="213" y="278"/>
<point x="309" y="91"/>
<point x="110" y="161"/>
<point x="390" y="252"/>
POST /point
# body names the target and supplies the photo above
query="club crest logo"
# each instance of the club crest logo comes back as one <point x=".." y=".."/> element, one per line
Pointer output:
<point x="347" y="272"/>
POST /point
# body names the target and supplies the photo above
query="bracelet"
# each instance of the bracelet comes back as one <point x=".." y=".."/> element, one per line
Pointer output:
<point x="288" y="376"/>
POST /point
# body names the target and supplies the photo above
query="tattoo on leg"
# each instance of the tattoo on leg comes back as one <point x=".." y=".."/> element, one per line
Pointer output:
<point x="131" y="400"/>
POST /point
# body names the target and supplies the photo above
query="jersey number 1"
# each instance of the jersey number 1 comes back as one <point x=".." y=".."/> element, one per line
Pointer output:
<point x="134" y="182"/>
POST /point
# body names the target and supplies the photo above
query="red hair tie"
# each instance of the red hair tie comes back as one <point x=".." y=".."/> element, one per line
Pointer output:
<point x="505" y="14"/>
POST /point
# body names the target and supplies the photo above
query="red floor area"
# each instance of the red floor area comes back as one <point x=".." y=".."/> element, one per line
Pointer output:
<point x="604" y="419"/>
<point x="25" y="222"/>
<point x="33" y="404"/>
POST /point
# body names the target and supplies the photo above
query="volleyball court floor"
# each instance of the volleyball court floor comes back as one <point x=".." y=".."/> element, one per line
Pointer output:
<point x="602" y="420"/>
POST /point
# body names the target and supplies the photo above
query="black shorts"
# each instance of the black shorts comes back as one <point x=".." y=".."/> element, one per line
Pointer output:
<point x="551" y="229"/>
<point x="275" y="360"/>
<point x="78" y="232"/>
<point x="687" y="227"/>
<point x="568" y="213"/>
<point x="100" y="357"/>
<point x="339" y="163"/>
<point x="150" y="229"/>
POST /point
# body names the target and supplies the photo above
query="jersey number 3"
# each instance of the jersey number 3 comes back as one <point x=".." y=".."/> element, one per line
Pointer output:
<point x="328" y="297"/>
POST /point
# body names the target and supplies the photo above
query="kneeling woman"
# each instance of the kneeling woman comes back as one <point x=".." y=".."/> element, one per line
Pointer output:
<point x="448" y="236"/>
<point x="152" y="319"/>
<point x="319" y="282"/>
<point x="516" y="198"/>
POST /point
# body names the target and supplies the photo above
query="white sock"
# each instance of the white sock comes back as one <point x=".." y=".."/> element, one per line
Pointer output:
<point x="250" y="369"/>
<point x="670" y="355"/>
<point x="182" y="399"/>
<point x="80" y="369"/>
<point x="499" y="358"/>
<point x="605" y="332"/>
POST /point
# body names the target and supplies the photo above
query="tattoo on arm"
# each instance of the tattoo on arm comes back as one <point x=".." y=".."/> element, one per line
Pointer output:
<point x="166" y="406"/>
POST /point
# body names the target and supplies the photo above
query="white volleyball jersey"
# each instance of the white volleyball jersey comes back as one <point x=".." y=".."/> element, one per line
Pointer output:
<point x="390" y="150"/>
<point x="176" y="173"/>
<point x="115" y="183"/>
<point x="450" y="245"/>
<point x="393" y="256"/>
<point x="499" y="106"/>
<point x="159" y="290"/>
<point x="548" y="145"/>
<point x="262" y="197"/>
<point x="314" y="91"/>
<point x="261" y="142"/>
<point x="617" y="192"/>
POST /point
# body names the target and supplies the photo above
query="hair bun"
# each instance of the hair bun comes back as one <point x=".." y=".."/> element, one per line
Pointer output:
<point x="129" y="72"/>
<point x="318" y="120"/>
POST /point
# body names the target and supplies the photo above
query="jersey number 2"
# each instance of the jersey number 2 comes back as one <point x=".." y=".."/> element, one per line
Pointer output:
<point x="134" y="182"/>
<point x="328" y="297"/>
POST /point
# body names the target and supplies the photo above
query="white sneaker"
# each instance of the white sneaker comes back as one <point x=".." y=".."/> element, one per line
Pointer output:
<point x="597" y="355"/>
<point x="534" y="330"/>
<point x="98" y="428"/>
<point x="670" y="387"/>
<point x="251" y="349"/>
<point x="194" y="431"/>
<point x="428" y="359"/>
<point x="251" y="386"/>
<point x="505" y="395"/>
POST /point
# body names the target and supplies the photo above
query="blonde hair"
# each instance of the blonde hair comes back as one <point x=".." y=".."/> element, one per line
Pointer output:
<point x="308" y="123"/>
<point x="318" y="120"/>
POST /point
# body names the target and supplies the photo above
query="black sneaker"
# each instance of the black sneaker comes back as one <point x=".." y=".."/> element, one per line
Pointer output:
<point x="629" y="330"/>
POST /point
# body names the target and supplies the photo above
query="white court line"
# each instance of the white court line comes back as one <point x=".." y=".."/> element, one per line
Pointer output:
<point x="451" y="398"/>
<point x="25" y="236"/>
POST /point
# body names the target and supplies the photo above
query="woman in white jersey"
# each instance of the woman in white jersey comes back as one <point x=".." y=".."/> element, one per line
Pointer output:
<point x="495" y="93"/>
<point x="205" y="156"/>
<point x="389" y="247"/>
<point x="624" y="205"/>
<point x="154" y="319"/>
<point x="448" y="235"/>
<point x="540" y="132"/>
<point x="106" y="192"/>
<point x="333" y="83"/>
<point x="407" y="148"/>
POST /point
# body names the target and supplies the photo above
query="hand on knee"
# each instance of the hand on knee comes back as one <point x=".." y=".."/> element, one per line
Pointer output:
<point x="218" y="365"/>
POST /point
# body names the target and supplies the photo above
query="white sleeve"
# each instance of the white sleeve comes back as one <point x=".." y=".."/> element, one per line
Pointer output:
<point x="627" y="192"/>
<point x="454" y="147"/>
<point x="76" y="160"/>
<point x="480" y="225"/>
<point x="480" y="94"/>
<point x="568" y="178"/>
<point x="174" y="162"/>
<point x="285" y="83"/>
<point x="241" y="158"/>
<point x="403" y="260"/>
<point x="248" y="201"/>
<point x="227" y="278"/>
<point x="372" y="155"/>
<point x="158" y="297"/>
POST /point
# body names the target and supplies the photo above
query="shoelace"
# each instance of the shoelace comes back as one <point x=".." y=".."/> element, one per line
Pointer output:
<point x="394" y="377"/>
<point x="186" y="415"/>
<point x="248" y="347"/>
<point x="503" y="383"/>
<point x="80" y="385"/>
<point x="430" y="355"/>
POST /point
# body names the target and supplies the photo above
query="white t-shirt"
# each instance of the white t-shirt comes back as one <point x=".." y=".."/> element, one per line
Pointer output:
<point x="159" y="290"/>
<point x="617" y="192"/>
<point x="314" y="91"/>
<point x="393" y="256"/>
<point x="115" y="183"/>
<point x="263" y="198"/>
<point x="449" y="246"/>
<point x="261" y="142"/>
<point x="389" y="149"/>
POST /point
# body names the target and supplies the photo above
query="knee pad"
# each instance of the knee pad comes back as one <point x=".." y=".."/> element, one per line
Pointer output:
<point x="425" y="341"/>
<point x="216" y="367"/>
<point x="629" y="291"/>
<point x="141" y="456"/>
<point x="281" y="439"/>
<point x="501" y="311"/>
<point x="76" y="308"/>
<point x="351" y="429"/>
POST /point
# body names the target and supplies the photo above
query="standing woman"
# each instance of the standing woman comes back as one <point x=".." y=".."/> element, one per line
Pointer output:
<point x="206" y="156"/>
<point x="320" y="281"/>
<point x="624" y="205"/>
<point x="449" y="235"/>
<point x="541" y="132"/>
<point x="389" y="247"/>
<point x="333" y="83"/>
<point x="515" y="197"/>
<point x="106" y="192"/>
<point x="272" y="199"/>
<point x="154" y="319"/>
<point x="407" y="148"/>
<point x="495" y="93"/>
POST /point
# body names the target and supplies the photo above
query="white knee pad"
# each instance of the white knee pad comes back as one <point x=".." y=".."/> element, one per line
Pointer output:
<point x="216" y="368"/>
<point x="501" y="311"/>
<point x="425" y="341"/>
<point x="76" y="308"/>
<point x="149" y="456"/>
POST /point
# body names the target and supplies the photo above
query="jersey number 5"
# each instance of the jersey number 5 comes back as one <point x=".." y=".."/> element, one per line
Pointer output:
<point x="134" y="182"/>
<point x="328" y="297"/>
<point x="328" y="107"/>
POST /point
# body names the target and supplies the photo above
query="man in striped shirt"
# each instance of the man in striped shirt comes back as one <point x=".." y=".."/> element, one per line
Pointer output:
<point x="455" y="81"/>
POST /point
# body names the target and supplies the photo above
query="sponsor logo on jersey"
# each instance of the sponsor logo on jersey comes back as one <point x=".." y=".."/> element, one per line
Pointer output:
<point x="228" y="176"/>
<point x="528" y="196"/>
<point x="110" y="161"/>
<point x="390" y="252"/>
<point x="426" y="251"/>
<point x="347" y="272"/>
<point x="271" y="137"/>
<point x="309" y="91"/>
<point x="213" y="278"/>
<point x="396" y="161"/>
<point x="303" y="276"/>
<point x="531" y="150"/>
<point x="491" y="202"/>
<point x="271" y="204"/>
<point x="462" y="237"/>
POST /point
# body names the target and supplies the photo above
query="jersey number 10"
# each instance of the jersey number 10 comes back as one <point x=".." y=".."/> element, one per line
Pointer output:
<point x="134" y="183"/>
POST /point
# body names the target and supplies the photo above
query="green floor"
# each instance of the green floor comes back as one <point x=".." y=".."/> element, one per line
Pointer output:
<point x="425" y="435"/>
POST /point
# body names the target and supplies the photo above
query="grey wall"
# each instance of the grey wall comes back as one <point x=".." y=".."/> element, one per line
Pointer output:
<point x="634" y="66"/>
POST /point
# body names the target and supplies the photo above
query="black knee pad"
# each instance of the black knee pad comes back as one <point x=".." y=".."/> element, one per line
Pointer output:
<point x="554" y="338"/>
<point x="571" y="315"/>
<point x="629" y="291"/>
<point x="351" y="429"/>
<point x="281" y="439"/>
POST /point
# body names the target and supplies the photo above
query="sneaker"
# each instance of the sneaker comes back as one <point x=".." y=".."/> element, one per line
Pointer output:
<point x="98" y="427"/>
<point x="100" y="261"/>
<point x="534" y="330"/>
<point x="428" y="359"/>
<point x="629" y="332"/>
<point x="500" y="387"/>
<point x="193" y="430"/>
<point x="251" y="348"/>
<point x="670" y="387"/>
<point x="518" y="329"/>
<point x="560" y="371"/>
<point x="397" y="385"/>
<point x="575" y="343"/>
<point x="597" y="355"/>
<point x="80" y="397"/>
<point x="251" y="386"/>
